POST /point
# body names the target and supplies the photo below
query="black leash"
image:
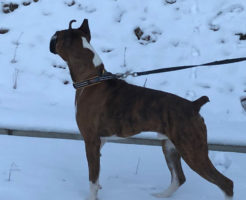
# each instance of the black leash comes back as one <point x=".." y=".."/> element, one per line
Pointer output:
<point x="108" y="76"/>
<point x="169" y="69"/>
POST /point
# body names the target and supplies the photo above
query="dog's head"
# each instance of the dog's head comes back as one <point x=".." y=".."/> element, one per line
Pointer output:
<point x="69" y="42"/>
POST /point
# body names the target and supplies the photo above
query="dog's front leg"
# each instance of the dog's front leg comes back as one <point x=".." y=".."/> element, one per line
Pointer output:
<point x="93" y="158"/>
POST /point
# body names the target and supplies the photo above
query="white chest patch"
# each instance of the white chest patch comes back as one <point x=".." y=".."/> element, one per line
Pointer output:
<point x="96" y="60"/>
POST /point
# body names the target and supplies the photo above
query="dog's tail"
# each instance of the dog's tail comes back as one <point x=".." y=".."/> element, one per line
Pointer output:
<point x="200" y="102"/>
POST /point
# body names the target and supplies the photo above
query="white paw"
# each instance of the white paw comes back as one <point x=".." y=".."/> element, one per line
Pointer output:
<point x="171" y="189"/>
<point x="228" y="198"/>
<point x="161" y="195"/>
<point x="92" y="198"/>
<point x="94" y="187"/>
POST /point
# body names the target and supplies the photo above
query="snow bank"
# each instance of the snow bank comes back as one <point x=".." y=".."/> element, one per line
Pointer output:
<point x="43" y="169"/>
<point x="34" y="93"/>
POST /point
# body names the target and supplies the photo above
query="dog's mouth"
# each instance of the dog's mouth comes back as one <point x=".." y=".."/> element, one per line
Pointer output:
<point x="53" y="44"/>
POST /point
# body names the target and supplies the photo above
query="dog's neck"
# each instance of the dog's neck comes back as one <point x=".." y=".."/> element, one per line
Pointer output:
<point x="81" y="72"/>
<point x="83" y="67"/>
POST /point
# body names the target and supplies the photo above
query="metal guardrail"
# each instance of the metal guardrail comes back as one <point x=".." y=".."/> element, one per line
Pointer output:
<point x="131" y="140"/>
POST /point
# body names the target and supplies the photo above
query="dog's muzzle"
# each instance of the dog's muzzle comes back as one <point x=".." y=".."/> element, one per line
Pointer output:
<point x="53" y="44"/>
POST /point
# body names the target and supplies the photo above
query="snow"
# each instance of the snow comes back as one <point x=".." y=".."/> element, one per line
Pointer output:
<point x="34" y="94"/>
<point x="181" y="33"/>
<point x="43" y="169"/>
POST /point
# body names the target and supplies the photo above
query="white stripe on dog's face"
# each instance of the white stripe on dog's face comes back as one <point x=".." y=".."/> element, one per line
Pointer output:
<point x="96" y="60"/>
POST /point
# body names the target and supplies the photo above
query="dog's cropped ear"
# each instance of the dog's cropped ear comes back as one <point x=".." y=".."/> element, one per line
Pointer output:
<point x="70" y="24"/>
<point x="85" y="28"/>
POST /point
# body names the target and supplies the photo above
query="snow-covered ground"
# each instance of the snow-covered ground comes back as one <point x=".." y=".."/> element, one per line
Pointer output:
<point x="44" y="169"/>
<point x="185" y="32"/>
<point x="34" y="93"/>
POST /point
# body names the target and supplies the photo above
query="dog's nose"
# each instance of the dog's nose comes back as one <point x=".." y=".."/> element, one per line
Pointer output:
<point x="53" y="44"/>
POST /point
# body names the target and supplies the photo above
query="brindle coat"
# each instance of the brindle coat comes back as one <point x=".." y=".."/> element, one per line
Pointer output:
<point x="115" y="107"/>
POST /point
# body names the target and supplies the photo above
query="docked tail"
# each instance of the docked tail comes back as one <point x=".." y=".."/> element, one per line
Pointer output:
<point x="200" y="102"/>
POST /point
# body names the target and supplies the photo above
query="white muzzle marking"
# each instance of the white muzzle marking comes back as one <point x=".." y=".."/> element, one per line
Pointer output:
<point x="54" y="37"/>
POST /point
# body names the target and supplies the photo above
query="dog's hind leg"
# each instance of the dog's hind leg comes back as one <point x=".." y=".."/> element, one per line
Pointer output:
<point x="173" y="160"/>
<point x="206" y="169"/>
<point x="93" y="158"/>
<point x="194" y="150"/>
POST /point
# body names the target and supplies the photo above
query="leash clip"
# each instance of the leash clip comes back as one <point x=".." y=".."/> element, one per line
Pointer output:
<point x="134" y="74"/>
<point x="125" y="75"/>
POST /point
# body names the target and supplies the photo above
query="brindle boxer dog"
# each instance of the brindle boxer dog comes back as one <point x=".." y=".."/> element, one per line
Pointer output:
<point x="114" y="107"/>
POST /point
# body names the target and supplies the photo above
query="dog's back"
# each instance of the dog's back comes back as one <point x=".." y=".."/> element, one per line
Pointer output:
<point x="128" y="109"/>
